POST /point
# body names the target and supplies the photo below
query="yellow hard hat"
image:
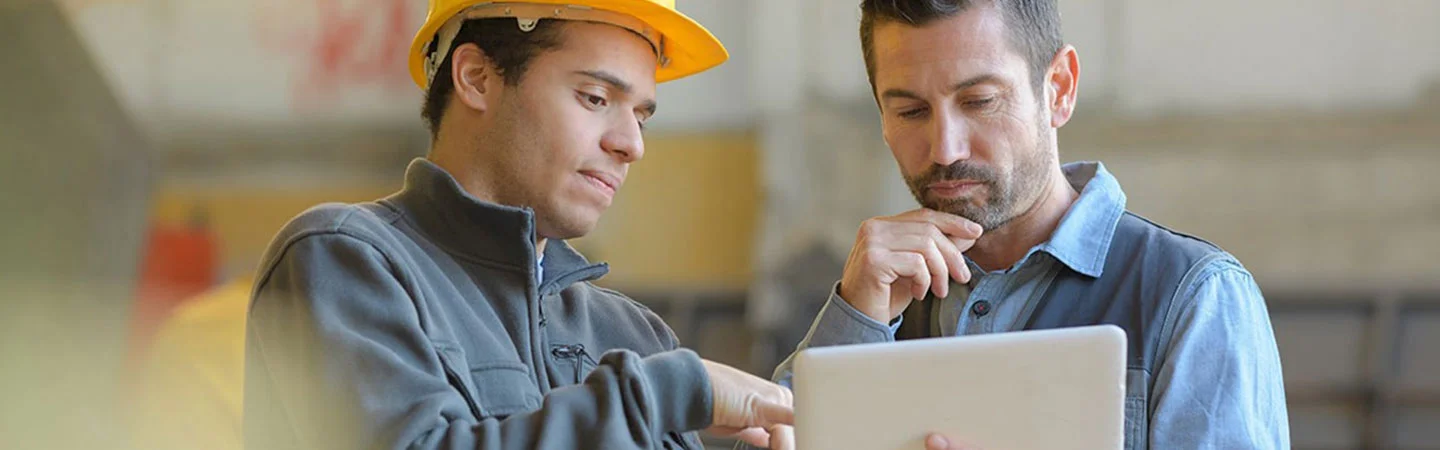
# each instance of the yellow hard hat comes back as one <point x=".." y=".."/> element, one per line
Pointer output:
<point x="683" y="46"/>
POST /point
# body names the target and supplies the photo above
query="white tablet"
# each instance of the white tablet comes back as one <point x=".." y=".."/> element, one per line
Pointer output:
<point x="1028" y="390"/>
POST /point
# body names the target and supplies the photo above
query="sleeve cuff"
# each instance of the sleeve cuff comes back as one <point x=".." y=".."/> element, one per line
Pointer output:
<point x="841" y="324"/>
<point x="680" y="388"/>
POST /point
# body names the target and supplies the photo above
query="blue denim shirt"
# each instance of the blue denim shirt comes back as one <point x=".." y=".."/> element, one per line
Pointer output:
<point x="1220" y="387"/>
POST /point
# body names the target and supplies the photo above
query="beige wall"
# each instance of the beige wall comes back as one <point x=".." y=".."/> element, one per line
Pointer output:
<point x="685" y="217"/>
<point x="245" y="217"/>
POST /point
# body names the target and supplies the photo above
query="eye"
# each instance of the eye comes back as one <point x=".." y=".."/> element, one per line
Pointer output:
<point x="913" y="113"/>
<point x="594" y="101"/>
<point x="979" y="103"/>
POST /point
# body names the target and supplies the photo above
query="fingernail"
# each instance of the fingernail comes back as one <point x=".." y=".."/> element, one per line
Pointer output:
<point x="936" y="441"/>
<point x="974" y="227"/>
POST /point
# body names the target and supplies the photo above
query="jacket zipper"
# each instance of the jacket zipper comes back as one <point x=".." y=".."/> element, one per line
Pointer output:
<point x="542" y="336"/>
<point x="566" y="280"/>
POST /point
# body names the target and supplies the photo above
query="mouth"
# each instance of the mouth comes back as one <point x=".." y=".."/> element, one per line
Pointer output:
<point x="606" y="183"/>
<point x="950" y="189"/>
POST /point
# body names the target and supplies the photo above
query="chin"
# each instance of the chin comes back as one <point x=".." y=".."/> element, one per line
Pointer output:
<point x="571" y="226"/>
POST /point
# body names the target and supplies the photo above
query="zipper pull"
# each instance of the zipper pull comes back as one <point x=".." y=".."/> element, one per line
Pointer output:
<point x="562" y="351"/>
<point x="579" y="350"/>
<point x="571" y="352"/>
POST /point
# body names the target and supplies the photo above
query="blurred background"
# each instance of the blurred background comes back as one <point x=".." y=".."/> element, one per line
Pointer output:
<point x="151" y="148"/>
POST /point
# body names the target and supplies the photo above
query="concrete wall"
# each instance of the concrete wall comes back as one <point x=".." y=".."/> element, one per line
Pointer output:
<point x="74" y="180"/>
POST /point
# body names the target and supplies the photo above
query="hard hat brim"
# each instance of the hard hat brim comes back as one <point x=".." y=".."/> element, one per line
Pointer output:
<point x="689" y="47"/>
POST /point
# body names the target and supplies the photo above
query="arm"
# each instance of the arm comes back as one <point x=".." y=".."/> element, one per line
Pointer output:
<point x="336" y="358"/>
<point x="669" y="341"/>
<point x="837" y="324"/>
<point x="895" y="260"/>
<point x="1220" y="385"/>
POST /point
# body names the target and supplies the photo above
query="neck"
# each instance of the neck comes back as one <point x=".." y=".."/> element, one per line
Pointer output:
<point x="456" y="155"/>
<point x="443" y="154"/>
<point x="1003" y="247"/>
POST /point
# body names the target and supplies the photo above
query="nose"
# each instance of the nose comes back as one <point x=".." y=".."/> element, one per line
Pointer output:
<point x="949" y="138"/>
<point x="624" y="141"/>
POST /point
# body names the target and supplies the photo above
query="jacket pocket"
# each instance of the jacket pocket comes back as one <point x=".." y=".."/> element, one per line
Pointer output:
<point x="452" y="360"/>
<point x="504" y="388"/>
<point x="1137" y="409"/>
<point x="491" y="389"/>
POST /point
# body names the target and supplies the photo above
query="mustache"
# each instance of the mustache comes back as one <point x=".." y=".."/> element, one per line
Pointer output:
<point x="958" y="171"/>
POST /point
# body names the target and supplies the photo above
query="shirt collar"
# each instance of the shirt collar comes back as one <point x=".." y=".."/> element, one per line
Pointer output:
<point x="1083" y="237"/>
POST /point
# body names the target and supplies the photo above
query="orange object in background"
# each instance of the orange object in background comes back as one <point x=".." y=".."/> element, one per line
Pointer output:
<point x="181" y="262"/>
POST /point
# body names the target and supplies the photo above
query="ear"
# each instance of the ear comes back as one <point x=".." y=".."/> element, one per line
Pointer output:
<point x="1062" y="85"/>
<point x="474" y="77"/>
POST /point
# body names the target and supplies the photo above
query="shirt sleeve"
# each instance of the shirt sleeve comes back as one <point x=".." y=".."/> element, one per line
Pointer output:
<point x="837" y="324"/>
<point x="1220" y="385"/>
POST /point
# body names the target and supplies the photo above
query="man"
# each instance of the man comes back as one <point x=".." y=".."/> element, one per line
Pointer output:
<point x="453" y="314"/>
<point x="971" y="94"/>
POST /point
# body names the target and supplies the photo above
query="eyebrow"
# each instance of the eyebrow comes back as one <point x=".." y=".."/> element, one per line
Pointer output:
<point x="976" y="80"/>
<point x="648" y="106"/>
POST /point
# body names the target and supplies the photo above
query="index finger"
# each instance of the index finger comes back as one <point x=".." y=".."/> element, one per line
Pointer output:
<point x="782" y="437"/>
<point x="770" y="413"/>
<point x="936" y="442"/>
<point x="950" y="224"/>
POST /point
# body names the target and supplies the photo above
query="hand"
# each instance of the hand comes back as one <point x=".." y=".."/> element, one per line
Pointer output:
<point x="749" y="407"/>
<point x="936" y="441"/>
<point x="781" y="437"/>
<point x="897" y="259"/>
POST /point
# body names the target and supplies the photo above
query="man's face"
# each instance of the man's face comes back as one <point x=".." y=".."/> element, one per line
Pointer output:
<point x="959" y="113"/>
<point x="564" y="137"/>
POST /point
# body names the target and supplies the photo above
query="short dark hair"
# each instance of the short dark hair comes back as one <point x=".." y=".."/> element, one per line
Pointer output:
<point x="502" y="40"/>
<point x="1031" y="26"/>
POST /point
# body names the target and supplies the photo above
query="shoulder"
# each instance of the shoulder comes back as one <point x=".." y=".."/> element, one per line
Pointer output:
<point x="330" y="234"/>
<point x="1160" y="241"/>
<point x="360" y="220"/>
<point x="366" y="222"/>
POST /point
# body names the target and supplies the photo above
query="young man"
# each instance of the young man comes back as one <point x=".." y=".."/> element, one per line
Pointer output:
<point x="453" y="314"/>
<point x="971" y="94"/>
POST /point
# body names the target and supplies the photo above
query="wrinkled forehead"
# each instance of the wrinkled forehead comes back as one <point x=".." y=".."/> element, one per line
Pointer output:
<point x="952" y="48"/>
<point x="609" y="49"/>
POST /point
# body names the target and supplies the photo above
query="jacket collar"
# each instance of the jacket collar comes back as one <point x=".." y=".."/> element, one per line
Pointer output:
<point x="474" y="229"/>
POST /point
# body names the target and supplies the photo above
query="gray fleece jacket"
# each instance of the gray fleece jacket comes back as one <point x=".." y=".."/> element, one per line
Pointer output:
<point x="422" y="321"/>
